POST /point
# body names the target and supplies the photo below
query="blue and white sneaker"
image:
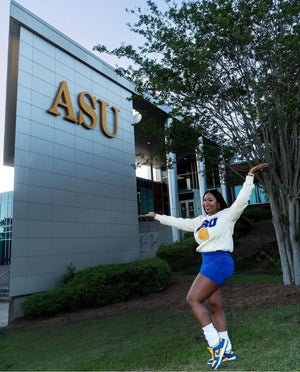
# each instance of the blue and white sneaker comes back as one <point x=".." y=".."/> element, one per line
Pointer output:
<point x="218" y="353"/>
<point x="227" y="357"/>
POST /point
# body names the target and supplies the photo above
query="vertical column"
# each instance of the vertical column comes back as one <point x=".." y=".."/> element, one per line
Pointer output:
<point x="173" y="189"/>
<point x="222" y="175"/>
<point x="201" y="173"/>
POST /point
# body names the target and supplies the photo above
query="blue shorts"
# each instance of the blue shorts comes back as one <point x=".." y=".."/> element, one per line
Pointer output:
<point x="217" y="266"/>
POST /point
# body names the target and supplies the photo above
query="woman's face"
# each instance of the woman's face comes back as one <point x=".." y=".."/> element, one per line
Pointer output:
<point x="210" y="204"/>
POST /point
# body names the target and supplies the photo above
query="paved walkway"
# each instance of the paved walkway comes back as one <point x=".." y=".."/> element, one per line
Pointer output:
<point x="3" y="314"/>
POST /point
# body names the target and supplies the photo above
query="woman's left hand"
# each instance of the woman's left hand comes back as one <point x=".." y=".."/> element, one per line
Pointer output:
<point x="258" y="167"/>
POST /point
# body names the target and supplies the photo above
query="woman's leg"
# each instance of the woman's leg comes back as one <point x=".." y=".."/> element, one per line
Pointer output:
<point x="201" y="289"/>
<point x="215" y="305"/>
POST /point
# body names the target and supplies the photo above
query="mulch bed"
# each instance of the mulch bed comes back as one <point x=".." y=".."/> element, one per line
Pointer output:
<point x="237" y="296"/>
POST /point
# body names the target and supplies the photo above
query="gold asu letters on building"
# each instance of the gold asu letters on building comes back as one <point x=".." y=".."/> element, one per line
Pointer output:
<point x="87" y="104"/>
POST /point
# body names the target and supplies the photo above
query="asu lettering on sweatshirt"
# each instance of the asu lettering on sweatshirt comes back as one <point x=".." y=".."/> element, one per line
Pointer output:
<point x="214" y="232"/>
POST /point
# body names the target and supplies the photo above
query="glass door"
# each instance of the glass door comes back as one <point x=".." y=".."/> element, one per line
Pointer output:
<point x="187" y="209"/>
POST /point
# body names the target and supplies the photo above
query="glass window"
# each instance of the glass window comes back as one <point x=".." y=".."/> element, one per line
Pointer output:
<point x="5" y="227"/>
<point x="257" y="196"/>
<point x="144" y="171"/>
<point x="262" y="196"/>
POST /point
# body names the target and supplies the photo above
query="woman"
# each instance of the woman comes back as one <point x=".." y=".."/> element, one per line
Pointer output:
<point x="213" y="233"/>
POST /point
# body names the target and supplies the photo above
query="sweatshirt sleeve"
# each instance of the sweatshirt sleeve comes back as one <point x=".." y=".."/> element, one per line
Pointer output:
<point x="185" y="224"/>
<point x="241" y="202"/>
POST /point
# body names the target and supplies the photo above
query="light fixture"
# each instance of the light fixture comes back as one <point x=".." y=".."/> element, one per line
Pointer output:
<point x="137" y="117"/>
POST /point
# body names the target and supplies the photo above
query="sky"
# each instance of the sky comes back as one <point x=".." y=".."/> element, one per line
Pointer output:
<point x="88" y="22"/>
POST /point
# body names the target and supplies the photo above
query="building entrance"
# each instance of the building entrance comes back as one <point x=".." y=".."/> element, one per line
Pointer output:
<point x="187" y="209"/>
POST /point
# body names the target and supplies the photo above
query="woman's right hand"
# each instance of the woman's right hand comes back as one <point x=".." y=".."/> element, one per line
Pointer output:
<point x="149" y="214"/>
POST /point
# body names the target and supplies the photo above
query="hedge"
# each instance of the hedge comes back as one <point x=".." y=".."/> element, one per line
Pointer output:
<point x="101" y="285"/>
<point x="179" y="255"/>
<point x="245" y="223"/>
<point x="257" y="213"/>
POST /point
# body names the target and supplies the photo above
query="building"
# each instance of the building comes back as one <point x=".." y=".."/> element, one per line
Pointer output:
<point x="70" y="138"/>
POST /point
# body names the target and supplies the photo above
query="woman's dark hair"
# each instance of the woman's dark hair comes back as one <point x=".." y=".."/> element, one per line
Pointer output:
<point x="219" y="198"/>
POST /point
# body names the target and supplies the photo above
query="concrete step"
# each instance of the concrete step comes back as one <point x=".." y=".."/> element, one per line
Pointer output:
<point x="4" y="295"/>
<point x="4" y="310"/>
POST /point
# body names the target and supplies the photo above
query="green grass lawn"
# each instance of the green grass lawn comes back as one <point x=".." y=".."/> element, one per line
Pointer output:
<point x="243" y="278"/>
<point x="263" y="340"/>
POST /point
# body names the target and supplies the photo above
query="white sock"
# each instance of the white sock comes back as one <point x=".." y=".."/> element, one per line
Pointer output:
<point x="211" y="335"/>
<point x="226" y="337"/>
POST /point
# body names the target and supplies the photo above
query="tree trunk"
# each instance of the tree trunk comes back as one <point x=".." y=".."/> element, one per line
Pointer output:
<point x="288" y="245"/>
<point x="281" y="241"/>
<point x="293" y="214"/>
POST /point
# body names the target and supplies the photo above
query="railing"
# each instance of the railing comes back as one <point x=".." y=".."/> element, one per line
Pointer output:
<point x="4" y="273"/>
<point x="4" y="277"/>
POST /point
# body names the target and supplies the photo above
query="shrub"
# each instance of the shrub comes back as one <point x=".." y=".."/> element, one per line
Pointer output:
<point x="257" y="214"/>
<point x="270" y="252"/>
<point x="179" y="255"/>
<point x="242" y="227"/>
<point x="101" y="285"/>
<point x="188" y="235"/>
<point x="245" y="222"/>
<point x="246" y="264"/>
<point x="69" y="273"/>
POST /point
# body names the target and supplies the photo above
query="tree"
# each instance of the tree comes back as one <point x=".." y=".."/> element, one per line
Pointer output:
<point x="232" y="67"/>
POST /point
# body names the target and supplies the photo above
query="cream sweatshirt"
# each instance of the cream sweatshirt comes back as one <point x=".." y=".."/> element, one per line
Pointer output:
<point x="214" y="232"/>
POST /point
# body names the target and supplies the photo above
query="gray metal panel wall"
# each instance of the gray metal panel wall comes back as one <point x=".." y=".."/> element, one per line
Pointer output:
<point x="75" y="188"/>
